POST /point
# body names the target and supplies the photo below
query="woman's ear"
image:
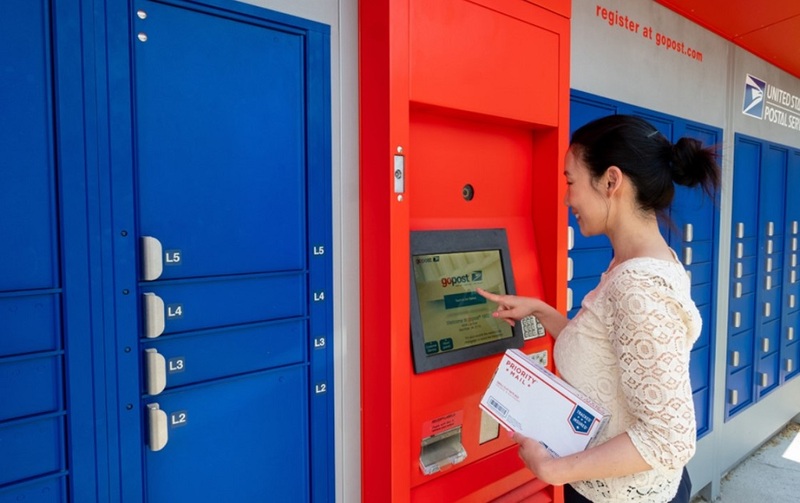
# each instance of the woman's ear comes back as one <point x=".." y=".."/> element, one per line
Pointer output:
<point x="613" y="179"/>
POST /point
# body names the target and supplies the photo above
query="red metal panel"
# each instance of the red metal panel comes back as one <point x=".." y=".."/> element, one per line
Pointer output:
<point x="474" y="92"/>
<point x="778" y="44"/>
<point x="385" y="357"/>
<point x="469" y="57"/>
<point x="734" y="18"/>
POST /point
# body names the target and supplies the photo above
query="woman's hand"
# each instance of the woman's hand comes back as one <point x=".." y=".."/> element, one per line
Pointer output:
<point x="509" y="307"/>
<point x="537" y="458"/>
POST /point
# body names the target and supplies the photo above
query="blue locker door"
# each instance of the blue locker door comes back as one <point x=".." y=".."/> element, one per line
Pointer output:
<point x="229" y="278"/>
<point x="693" y="237"/>
<point x="743" y="293"/>
<point x="790" y="335"/>
<point x="33" y="411"/>
<point x="770" y="266"/>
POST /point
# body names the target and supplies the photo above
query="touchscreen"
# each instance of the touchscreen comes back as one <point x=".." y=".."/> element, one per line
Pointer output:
<point x="453" y="315"/>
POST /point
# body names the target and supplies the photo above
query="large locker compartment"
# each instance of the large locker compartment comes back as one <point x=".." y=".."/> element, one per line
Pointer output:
<point x="692" y="232"/>
<point x="764" y="291"/>
<point x="166" y="304"/>
<point x="33" y="408"/>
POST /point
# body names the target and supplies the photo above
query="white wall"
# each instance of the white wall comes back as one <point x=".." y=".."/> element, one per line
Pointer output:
<point x="614" y="62"/>
<point x="342" y="17"/>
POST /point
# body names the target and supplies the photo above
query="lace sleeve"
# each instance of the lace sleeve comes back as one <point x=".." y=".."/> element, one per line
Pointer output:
<point x="651" y="340"/>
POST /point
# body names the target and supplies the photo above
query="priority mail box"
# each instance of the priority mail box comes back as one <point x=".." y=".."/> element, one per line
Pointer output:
<point x="527" y="398"/>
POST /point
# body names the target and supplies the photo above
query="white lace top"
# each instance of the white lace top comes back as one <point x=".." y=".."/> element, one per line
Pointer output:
<point x="628" y="348"/>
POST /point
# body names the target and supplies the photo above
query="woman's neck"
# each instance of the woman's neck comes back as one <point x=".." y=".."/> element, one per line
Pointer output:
<point x="638" y="236"/>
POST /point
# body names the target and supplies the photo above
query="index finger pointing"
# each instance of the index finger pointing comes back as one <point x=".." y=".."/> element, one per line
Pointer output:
<point x="490" y="296"/>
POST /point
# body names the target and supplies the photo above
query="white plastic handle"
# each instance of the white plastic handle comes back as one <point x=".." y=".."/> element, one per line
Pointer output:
<point x="152" y="264"/>
<point x="157" y="420"/>
<point x="156" y="367"/>
<point x="153" y="315"/>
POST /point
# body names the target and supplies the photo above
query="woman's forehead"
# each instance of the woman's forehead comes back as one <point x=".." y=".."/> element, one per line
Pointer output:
<point x="572" y="164"/>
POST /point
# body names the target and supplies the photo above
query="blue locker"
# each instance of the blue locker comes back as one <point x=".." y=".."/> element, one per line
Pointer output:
<point x="790" y="349"/>
<point x="230" y="200"/>
<point x="205" y="125"/>
<point x="693" y="236"/>
<point x="739" y="393"/>
<point x="744" y="281"/>
<point x="763" y="266"/>
<point x="253" y="426"/>
<point x="33" y="409"/>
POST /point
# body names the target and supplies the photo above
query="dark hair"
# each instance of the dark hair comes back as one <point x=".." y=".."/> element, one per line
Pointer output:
<point x="647" y="157"/>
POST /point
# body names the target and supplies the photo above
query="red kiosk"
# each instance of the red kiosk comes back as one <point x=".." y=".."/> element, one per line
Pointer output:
<point x="464" y="125"/>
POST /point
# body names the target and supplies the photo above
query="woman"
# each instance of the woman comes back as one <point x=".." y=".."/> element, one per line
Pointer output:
<point x="628" y="346"/>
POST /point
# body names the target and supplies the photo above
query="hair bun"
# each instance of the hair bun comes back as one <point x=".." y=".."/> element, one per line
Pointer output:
<point x="684" y="154"/>
<point x="693" y="165"/>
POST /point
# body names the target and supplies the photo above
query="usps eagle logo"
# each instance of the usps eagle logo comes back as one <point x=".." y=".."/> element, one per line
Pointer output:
<point x="754" y="92"/>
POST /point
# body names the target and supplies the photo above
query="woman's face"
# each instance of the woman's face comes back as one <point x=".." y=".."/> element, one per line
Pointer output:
<point x="587" y="202"/>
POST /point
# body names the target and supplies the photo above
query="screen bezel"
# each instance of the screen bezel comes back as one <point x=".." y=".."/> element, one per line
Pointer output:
<point x="457" y="241"/>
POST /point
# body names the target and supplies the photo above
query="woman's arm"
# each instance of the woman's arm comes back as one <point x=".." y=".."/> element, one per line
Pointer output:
<point x="614" y="458"/>
<point x="513" y="308"/>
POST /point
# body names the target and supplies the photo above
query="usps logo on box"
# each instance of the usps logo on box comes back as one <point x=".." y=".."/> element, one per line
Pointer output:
<point x="581" y="420"/>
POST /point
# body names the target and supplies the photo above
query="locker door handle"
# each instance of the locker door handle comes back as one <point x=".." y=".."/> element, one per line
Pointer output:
<point x="740" y="230"/>
<point x="688" y="233"/>
<point x="790" y="333"/>
<point x="794" y="244"/>
<point x="764" y="379"/>
<point x="152" y="265"/>
<point x="153" y="315"/>
<point x="794" y="260"/>
<point x="157" y="420"/>
<point x="687" y="255"/>
<point x="570" y="268"/>
<point x="739" y="270"/>
<point x="794" y="226"/>
<point x="770" y="228"/>
<point x="789" y="365"/>
<point x="738" y="290"/>
<point x="792" y="300"/>
<point x="769" y="265"/>
<point x="765" y="345"/>
<point x="733" y="397"/>
<point x="737" y="319"/>
<point x="735" y="359"/>
<point x="769" y="246"/>
<point x="570" y="237"/>
<point x="768" y="282"/>
<point x="739" y="250"/>
<point x="767" y="309"/>
<point x="156" y="370"/>
<point x="793" y="277"/>
<point x="569" y="299"/>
